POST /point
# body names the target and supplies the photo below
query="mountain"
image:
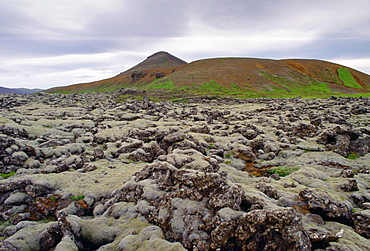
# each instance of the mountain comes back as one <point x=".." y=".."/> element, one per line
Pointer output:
<point x="236" y="77"/>
<point x="155" y="66"/>
<point x="160" y="60"/>
<point x="4" y="90"/>
<point x="28" y="91"/>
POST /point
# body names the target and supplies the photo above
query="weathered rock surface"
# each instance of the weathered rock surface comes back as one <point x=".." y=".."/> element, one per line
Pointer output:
<point x="83" y="172"/>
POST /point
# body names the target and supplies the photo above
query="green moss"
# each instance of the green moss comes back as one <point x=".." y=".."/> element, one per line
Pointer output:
<point x="54" y="198"/>
<point x="228" y="155"/>
<point x="78" y="197"/>
<point x="7" y="175"/>
<point x="353" y="156"/>
<point x="346" y="77"/>
<point x="282" y="170"/>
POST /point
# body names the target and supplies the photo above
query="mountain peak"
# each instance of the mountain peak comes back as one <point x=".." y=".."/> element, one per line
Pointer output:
<point x="159" y="60"/>
<point x="161" y="54"/>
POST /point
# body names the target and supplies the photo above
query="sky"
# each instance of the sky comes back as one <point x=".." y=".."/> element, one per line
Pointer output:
<point x="48" y="43"/>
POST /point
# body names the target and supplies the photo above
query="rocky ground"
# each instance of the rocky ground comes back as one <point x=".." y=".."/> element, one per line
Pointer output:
<point x="83" y="172"/>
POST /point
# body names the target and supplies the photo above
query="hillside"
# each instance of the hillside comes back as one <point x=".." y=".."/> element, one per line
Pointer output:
<point x="237" y="77"/>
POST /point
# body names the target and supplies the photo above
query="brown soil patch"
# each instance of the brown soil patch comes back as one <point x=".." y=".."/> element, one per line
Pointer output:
<point x="251" y="169"/>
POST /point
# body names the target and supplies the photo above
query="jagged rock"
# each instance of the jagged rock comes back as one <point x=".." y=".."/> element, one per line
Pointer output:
<point x="249" y="131"/>
<point x="137" y="75"/>
<point x="325" y="206"/>
<point x="185" y="204"/>
<point x="147" y="153"/>
<point x="245" y="153"/>
<point x="130" y="146"/>
<point x="14" y="132"/>
<point x="50" y="238"/>
<point x="56" y="148"/>
<point x="160" y="74"/>
<point x="320" y="239"/>
<point x="360" y="146"/>
<point x="200" y="129"/>
<point x="185" y="144"/>
<point x="362" y="223"/>
<point x="268" y="190"/>
<point x="350" y="186"/>
<point x="347" y="173"/>
<point x="88" y="167"/>
<point x="246" y="233"/>
<point x="316" y="121"/>
<point x="360" y="109"/>
<point x="191" y="159"/>
<point x="98" y="154"/>
<point x="174" y="137"/>
<point x="344" y="141"/>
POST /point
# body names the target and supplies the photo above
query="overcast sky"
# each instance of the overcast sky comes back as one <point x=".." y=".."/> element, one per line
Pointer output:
<point x="46" y="43"/>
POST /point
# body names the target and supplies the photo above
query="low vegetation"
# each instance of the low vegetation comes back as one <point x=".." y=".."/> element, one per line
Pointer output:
<point x="346" y="77"/>
<point x="78" y="197"/>
<point x="282" y="170"/>
<point x="7" y="175"/>
<point x="165" y="77"/>
<point x="353" y="156"/>
<point x="307" y="87"/>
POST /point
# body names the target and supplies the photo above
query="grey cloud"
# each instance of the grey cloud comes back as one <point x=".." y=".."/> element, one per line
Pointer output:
<point x="340" y="47"/>
<point x="134" y="26"/>
<point x="338" y="29"/>
<point x="142" y="18"/>
<point x="338" y="16"/>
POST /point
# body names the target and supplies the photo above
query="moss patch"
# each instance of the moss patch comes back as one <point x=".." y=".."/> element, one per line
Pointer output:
<point x="353" y="156"/>
<point x="283" y="170"/>
<point x="7" y="175"/>
<point x="346" y="77"/>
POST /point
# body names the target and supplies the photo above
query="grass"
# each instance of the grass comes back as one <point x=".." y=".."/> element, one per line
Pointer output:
<point x="282" y="170"/>
<point x="233" y="86"/>
<point x="301" y="87"/>
<point x="213" y="88"/>
<point x="346" y="77"/>
<point x="7" y="175"/>
<point x="205" y="88"/>
<point x="295" y="85"/>
<point x="328" y="76"/>
<point x="158" y="84"/>
<point x="357" y="95"/>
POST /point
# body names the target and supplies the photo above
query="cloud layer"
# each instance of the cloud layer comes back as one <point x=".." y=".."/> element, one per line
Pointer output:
<point x="50" y="43"/>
